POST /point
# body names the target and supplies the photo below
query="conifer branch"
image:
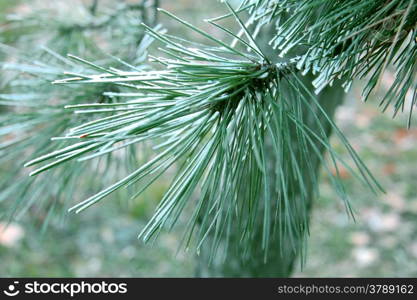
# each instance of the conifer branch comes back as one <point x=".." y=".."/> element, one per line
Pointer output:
<point x="211" y="110"/>
<point x="349" y="40"/>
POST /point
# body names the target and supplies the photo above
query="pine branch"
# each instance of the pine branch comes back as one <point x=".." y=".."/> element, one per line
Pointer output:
<point x="63" y="34"/>
<point x="349" y="40"/>
<point x="33" y="113"/>
<point x="211" y="109"/>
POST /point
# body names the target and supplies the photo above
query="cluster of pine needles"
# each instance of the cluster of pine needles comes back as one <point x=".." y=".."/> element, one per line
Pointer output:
<point x="215" y="111"/>
<point x="226" y="117"/>
<point x="347" y="40"/>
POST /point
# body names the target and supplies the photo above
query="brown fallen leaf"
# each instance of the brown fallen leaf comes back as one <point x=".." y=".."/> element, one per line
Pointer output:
<point x="389" y="169"/>
<point x="10" y="234"/>
<point x="343" y="172"/>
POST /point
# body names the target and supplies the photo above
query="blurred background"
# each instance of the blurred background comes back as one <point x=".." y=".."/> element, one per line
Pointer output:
<point x="102" y="241"/>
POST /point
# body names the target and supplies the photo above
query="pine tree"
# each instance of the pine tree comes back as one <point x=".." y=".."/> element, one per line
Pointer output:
<point x="246" y="119"/>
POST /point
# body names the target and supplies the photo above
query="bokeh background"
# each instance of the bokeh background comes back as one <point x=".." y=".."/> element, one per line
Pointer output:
<point x="102" y="241"/>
